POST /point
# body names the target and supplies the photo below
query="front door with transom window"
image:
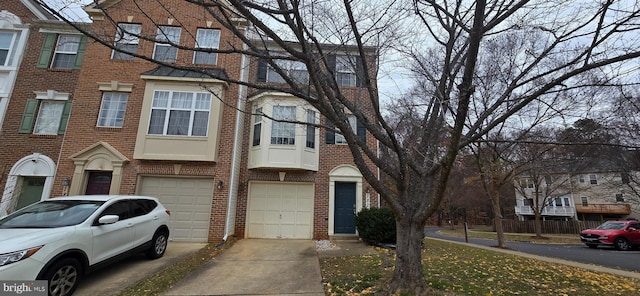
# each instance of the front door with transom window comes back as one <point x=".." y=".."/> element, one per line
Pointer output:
<point x="345" y="208"/>
<point x="99" y="182"/>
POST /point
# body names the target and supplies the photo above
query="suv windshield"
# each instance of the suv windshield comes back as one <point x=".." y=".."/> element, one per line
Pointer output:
<point x="612" y="225"/>
<point x="51" y="213"/>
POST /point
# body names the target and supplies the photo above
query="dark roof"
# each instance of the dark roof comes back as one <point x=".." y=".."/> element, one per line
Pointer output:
<point x="190" y="72"/>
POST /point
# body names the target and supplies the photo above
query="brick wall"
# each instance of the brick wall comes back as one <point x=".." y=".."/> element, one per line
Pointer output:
<point x="99" y="67"/>
<point x="13" y="145"/>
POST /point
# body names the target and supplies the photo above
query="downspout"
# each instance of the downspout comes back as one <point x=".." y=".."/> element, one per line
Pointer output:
<point x="237" y="146"/>
<point x="378" y="168"/>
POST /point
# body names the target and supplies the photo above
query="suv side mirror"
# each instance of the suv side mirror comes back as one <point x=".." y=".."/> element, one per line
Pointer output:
<point x="108" y="219"/>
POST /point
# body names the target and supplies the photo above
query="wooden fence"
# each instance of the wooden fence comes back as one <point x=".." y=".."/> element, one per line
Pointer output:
<point x="548" y="227"/>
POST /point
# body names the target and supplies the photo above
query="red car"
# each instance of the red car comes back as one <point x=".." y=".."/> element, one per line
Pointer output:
<point x="623" y="235"/>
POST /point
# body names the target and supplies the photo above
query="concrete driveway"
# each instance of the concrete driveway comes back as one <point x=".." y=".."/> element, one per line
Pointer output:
<point x="258" y="267"/>
<point x="112" y="279"/>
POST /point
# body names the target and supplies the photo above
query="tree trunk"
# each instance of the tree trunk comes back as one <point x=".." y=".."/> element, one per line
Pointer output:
<point x="408" y="275"/>
<point x="538" y="225"/>
<point x="497" y="219"/>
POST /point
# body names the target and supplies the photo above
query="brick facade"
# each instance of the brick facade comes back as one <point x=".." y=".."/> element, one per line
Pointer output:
<point x="15" y="146"/>
<point x="84" y="140"/>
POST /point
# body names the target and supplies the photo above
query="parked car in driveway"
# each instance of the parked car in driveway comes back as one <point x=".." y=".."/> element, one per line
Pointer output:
<point x="623" y="235"/>
<point x="62" y="239"/>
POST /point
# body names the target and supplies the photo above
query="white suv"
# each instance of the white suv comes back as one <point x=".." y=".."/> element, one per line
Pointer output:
<point x="61" y="239"/>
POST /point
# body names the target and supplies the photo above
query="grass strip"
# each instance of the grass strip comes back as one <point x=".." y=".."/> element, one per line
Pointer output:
<point x="453" y="269"/>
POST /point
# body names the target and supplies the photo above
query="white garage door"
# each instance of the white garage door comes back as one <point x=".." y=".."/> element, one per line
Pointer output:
<point x="189" y="201"/>
<point x="280" y="210"/>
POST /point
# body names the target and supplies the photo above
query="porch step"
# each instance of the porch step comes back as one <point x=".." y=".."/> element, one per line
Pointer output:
<point x="351" y="237"/>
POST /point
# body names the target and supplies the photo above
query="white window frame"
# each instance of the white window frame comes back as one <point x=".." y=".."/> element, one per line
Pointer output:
<point x="283" y="133"/>
<point x="339" y="138"/>
<point x="126" y="35"/>
<point x="67" y="49"/>
<point x="593" y="179"/>
<point x="48" y="125"/>
<point x="312" y="119"/>
<point x="9" y="48"/>
<point x="345" y="71"/>
<point x="257" y="127"/>
<point x="166" y="35"/>
<point x="200" y="102"/>
<point x="209" y="43"/>
<point x="112" y="109"/>
<point x="296" y="70"/>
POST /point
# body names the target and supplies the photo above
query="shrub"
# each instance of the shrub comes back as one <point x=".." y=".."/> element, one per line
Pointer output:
<point x="376" y="225"/>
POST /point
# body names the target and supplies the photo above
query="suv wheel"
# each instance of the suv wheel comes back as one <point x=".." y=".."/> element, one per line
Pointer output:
<point x="158" y="245"/>
<point x="621" y="244"/>
<point x="63" y="277"/>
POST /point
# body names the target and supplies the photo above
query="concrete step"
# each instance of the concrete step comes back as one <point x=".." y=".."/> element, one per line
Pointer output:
<point x="344" y="237"/>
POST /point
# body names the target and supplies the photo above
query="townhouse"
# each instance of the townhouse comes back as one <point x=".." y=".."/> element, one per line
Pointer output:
<point x="40" y="60"/>
<point x="589" y="189"/>
<point x="205" y="147"/>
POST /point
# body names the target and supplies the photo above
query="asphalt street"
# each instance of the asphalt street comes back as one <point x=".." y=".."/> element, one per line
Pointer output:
<point x="603" y="256"/>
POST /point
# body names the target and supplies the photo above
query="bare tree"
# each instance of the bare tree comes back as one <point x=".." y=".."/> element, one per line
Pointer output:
<point x="444" y="39"/>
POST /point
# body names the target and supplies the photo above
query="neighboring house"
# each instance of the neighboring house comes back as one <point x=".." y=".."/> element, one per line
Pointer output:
<point x="301" y="180"/>
<point x="40" y="58"/>
<point x="587" y="189"/>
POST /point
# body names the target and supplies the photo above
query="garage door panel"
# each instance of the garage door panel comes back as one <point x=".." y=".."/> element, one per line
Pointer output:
<point x="280" y="210"/>
<point x="189" y="201"/>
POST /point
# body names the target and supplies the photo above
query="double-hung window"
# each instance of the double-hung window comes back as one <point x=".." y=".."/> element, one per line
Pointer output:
<point x="345" y="71"/>
<point x="180" y="113"/>
<point x="47" y="114"/>
<point x="311" y="129"/>
<point x="593" y="179"/>
<point x="62" y="51"/>
<point x="126" y="40"/>
<point x="283" y="133"/>
<point x="206" y="39"/>
<point x="112" y="109"/>
<point x="48" y="121"/>
<point x="65" y="53"/>
<point x="295" y="70"/>
<point x="164" y="50"/>
<point x="257" y="127"/>
<point x="6" y="43"/>
<point x="339" y="137"/>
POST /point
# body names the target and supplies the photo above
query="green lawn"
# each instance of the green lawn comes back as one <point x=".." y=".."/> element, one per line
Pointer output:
<point x="454" y="269"/>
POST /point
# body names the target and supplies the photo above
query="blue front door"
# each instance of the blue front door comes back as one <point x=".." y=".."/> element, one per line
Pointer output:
<point x="345" y="208"/>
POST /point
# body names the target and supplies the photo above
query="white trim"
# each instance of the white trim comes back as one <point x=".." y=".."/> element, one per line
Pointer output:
<point x="60" y="31"/>
<point x="35" y="164"/>
<point x="35" y="10"/>
<point x="51" y="95"/>
<point x="343" y="173"/>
